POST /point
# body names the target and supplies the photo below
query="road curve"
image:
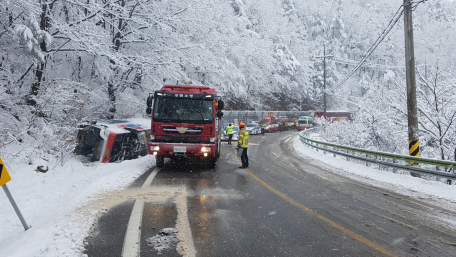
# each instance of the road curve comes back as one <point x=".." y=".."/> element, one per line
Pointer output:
<point x="282" y="205"/>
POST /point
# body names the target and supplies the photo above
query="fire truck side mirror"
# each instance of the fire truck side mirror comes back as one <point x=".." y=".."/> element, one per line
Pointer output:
<point x="221" y="105"/>
<point x="219" y="114"/>
<point x="149" y="110"/>
<point x="149" y="101"/>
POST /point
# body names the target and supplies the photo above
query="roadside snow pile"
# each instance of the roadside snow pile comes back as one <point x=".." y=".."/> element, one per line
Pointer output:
<point x="165" y="240"/>
<point x="400" y="183"/>
<point x="50" y="203"/>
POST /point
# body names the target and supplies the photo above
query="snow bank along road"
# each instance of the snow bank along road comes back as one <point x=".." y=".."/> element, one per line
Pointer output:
<point x="282" y="205"/>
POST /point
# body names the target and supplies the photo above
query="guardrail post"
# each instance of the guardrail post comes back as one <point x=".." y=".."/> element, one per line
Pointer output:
<point x="347" y="158"/>
<point x="394" y="168"/>
<point x="316" y="145"/>
<point x="415" y="174"/>
<point x="367" y="163"/>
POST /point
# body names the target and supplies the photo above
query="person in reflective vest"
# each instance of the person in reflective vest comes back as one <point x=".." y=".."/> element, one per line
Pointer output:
<point x="229" y="132"/>
<point x="244" y="144"/>
<point x="263" y="127"/>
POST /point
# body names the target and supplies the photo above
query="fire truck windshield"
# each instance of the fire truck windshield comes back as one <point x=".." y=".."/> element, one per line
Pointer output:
<point x="186" y="110"/>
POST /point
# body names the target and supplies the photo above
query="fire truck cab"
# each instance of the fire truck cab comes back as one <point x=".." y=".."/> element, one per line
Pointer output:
<point x="185" y="123"/>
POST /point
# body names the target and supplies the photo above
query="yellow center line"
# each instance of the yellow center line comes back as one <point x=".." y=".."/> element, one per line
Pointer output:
<point x="330" y="222"/>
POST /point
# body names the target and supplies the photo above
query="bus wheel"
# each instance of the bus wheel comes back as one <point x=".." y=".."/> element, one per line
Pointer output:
<point x="159" y="161"/>
<point x="120" y="156"/>
<point x="135" y="149"/>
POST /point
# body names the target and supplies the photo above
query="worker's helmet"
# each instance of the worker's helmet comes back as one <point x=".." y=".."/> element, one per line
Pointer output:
<point x="229" y="124"/>
<point x="242" y="125"/>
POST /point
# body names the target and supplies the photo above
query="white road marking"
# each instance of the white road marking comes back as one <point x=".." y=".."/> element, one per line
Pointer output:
<point x="149" y="179"/>
<point x="185" y="247"/>
<point x="132" y="241"/>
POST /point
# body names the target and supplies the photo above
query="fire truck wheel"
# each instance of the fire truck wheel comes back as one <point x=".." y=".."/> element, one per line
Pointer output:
<point x="159" y="161"/>
<point x="211" y="162"/>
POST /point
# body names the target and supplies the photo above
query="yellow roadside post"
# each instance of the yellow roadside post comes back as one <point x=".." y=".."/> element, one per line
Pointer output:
<point x="5" y="178"/>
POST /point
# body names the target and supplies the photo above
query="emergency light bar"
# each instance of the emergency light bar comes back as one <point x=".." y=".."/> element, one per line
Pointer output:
<point x="162" y="94"/>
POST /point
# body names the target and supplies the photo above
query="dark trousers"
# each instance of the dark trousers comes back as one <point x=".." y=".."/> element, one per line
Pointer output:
<point x="244" y="158"/>
<point x="230" y="136"/>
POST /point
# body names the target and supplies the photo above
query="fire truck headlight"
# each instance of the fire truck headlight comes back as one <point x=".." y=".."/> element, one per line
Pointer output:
<point x="155" y="148"/>
<point x="155" y="153"/>
<point x="205" y="154"/>
<point x="205" y="149"/>
<point x="212" y="139"/>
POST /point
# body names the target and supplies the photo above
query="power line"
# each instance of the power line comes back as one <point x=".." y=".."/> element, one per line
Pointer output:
<point x="382" y="36"/>
<point x="416" y="4"/>
<point x="369" y="65"/>
<point x="353" y="22"/>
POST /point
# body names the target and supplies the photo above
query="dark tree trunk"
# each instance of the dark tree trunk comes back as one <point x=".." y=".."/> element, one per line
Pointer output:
<point x="112" y="98"/>
<point x="45" y="23"/>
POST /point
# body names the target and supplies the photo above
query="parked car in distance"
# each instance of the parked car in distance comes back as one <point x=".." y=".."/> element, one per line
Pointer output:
<point x="253" y="129"/>
<point x="235" y="134"/>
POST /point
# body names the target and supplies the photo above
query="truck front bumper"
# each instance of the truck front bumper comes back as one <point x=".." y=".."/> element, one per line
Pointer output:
<point x="185" y="150"/>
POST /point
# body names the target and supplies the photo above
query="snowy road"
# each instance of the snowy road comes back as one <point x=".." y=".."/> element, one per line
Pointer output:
<point x="282" y="205"/>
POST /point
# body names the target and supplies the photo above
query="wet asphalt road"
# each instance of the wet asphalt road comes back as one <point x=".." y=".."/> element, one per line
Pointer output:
<point x="282" y="205"/>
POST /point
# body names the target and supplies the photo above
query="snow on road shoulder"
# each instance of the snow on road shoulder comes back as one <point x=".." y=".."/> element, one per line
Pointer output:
<point x="48" y="202"/>
<point x="437" y="192"/>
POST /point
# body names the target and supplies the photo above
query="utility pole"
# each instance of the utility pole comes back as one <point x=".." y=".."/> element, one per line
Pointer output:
<point x="324" y="77"/>
<point x="413" y="132"/>
<point x="324" y="80"/>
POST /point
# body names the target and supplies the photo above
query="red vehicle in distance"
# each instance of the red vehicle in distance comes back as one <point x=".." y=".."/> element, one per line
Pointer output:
<point x="284" y="123"/>
<point x="271" y="124"/>
<point x="332" y="116"/>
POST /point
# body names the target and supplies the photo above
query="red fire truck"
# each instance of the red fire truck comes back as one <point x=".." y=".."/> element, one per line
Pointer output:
<point x="185" y="123"/>
<point x="271" y="123"/>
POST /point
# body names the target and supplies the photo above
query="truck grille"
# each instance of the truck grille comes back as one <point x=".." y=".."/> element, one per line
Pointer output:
<point x="171" y="139"/>
<point x="175" y="131"/>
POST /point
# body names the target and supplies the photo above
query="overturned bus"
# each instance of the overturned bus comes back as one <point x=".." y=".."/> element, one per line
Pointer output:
<point x="113" y="140"/>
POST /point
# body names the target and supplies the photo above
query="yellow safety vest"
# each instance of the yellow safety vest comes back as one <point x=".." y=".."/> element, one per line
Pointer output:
<point x="243" y="140"/>
<point x="229" y="129"/>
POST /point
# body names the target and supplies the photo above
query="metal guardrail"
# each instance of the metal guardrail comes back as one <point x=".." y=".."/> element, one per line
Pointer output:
<point x="382" y="158"/>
